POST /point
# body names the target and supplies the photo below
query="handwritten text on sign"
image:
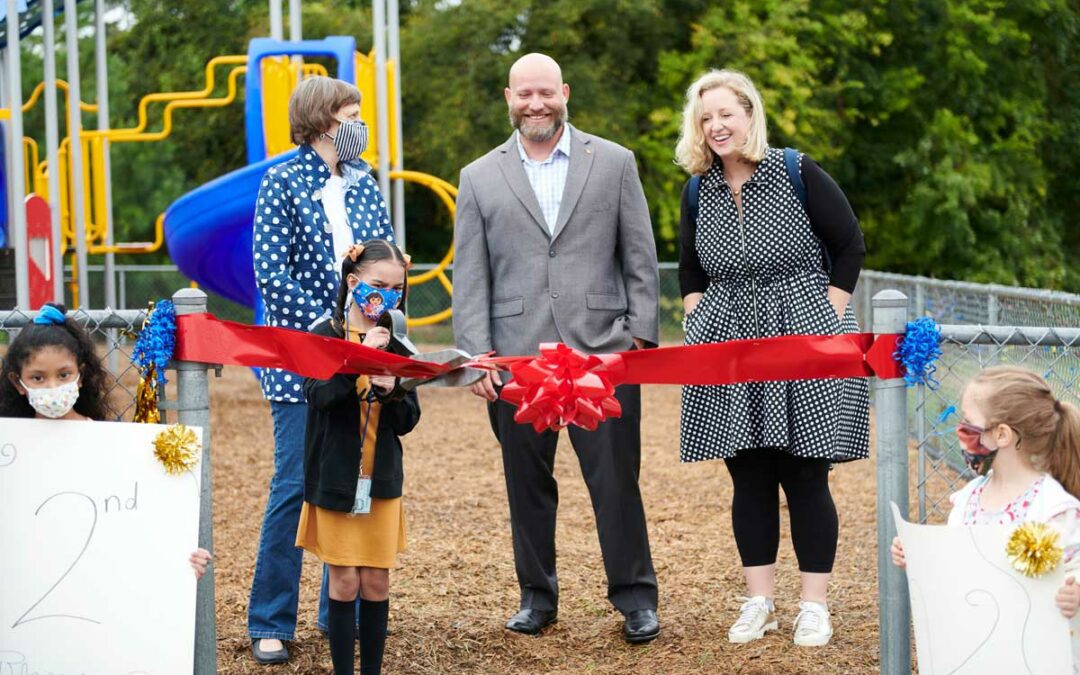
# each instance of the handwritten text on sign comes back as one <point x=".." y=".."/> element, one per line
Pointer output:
<point x="96" y="535"/>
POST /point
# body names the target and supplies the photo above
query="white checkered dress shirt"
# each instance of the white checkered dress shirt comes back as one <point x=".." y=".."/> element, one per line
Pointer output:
<point x="548" y="178"/>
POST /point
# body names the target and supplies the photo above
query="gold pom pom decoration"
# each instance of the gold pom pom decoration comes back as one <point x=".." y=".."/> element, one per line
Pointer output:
<point x="153" y="350"/>
<point x="146" y="399"/>
<point x="1034" y="549"/>
<point x="177" y="448"/>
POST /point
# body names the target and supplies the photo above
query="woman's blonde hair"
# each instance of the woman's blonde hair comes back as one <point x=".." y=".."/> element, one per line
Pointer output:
<point x="313" y="105"/>
<point x="691" y="152"/>
<point x="1049" y="429"/>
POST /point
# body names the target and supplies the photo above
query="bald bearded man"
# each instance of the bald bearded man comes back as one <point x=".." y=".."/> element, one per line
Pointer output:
<point x="553" y="243"/>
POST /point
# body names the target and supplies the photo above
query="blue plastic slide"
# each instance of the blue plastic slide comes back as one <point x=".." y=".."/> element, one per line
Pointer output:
<point x="209" y="229"/>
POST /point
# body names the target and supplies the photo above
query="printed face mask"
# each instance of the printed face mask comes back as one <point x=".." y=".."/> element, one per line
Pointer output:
<point x="977" y="456"/>
<point x="53" y="402"/>
<point x="350" y="141"/>
<point x="374" y="302"/>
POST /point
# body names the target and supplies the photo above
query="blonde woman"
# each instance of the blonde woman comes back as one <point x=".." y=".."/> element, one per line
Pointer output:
<point x="769" y="246"/>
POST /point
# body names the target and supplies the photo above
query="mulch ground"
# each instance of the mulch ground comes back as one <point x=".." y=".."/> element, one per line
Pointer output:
<point x="456" y="587"/>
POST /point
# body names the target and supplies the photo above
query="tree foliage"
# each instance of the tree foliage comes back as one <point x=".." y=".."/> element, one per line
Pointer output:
<point x="952" y="125"/>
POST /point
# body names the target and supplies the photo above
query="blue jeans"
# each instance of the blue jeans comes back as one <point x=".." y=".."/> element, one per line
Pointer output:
<point x="275" y="589"/>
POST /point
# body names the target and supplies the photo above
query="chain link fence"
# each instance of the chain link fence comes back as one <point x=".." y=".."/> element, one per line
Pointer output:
<point x="1053" y="352"/>
<point x="948" y="302"/>
<point x="137" y="285"/>
<point x="922" y="426"/>
<point x="961" y="302"/>
<point x="983" y="325"/>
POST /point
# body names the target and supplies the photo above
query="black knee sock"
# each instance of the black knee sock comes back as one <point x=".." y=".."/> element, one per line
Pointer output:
<point x="372" y="635"/>
<point x="340" y="629"/>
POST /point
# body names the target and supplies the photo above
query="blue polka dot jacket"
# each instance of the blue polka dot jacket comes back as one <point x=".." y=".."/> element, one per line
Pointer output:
<point x="293" y="248"/>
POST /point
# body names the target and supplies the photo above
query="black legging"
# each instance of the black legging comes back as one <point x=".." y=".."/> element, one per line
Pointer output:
<point x="755" y="509"/>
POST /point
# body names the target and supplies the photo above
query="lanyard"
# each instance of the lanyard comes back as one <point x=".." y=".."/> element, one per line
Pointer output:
<point x="369" y="398"/>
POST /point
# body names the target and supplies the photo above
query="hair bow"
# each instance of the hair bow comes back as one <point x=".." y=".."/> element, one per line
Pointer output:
<point x="49" y="315"/>
<point x="354" y="251"/>
<point x="408" y="260"/>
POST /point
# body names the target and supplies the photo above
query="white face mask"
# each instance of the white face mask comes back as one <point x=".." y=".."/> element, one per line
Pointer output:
<point x="53" y="402"/>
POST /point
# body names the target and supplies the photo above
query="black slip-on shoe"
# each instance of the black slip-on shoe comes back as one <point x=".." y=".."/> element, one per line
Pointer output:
<point x="531" y="621"/>
<point x="268" y="658"/>
<point x="641" y="625"/>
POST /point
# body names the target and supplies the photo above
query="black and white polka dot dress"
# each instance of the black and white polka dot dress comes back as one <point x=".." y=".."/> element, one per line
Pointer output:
<point x="767" y="278"/>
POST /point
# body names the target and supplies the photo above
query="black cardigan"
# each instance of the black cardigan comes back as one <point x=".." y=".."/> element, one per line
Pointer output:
<point x="332" y="441"/>
<point x="831" y="218"/>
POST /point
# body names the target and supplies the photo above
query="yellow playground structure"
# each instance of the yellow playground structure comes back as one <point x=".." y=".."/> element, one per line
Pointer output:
<point x="272" y="69"/>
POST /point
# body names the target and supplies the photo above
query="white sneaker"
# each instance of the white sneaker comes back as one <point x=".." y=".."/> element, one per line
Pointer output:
<point x="755" y="617"/>
<point x="813" y="627"/>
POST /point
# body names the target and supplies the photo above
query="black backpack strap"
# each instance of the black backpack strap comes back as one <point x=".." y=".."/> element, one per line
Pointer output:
<point x="791" y="160"/>
<point x="695" y="188"/>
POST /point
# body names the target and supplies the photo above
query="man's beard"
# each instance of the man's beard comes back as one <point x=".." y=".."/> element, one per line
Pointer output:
<point x="519" y="121"/>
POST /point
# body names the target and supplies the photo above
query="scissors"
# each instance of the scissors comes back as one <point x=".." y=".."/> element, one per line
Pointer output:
<point x="461" y="376"/>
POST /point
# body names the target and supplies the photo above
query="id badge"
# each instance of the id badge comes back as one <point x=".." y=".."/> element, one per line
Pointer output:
<point x="362" y="500"/>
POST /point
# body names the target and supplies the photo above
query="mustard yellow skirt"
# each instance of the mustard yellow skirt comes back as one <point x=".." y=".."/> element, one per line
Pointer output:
<point x="371" y="540"/>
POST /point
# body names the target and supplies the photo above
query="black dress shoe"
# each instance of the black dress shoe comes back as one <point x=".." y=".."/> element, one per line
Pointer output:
<point x="531" y="621"/>
<point x="268" y="658"/>
<point x="641" y="625"/>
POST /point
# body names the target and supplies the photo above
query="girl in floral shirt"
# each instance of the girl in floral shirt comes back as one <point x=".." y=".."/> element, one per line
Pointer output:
<point x="1013" y="422"/>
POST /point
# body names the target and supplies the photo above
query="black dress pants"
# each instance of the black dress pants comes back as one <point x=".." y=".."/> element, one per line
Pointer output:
<point x="610" y="459"/>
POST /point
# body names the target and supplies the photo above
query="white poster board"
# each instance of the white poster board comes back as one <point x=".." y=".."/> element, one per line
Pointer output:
<point x="973" y="613"/>
<point x="94" y="572"/>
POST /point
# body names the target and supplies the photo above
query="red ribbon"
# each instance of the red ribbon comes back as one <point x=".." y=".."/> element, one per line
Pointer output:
<point x="544" y="387"/>
<point x="204" y="338"/>
<point x="561" y="386"/>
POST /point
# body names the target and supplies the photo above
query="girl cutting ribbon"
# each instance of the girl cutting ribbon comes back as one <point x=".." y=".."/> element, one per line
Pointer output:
<point x="352" y="517"/>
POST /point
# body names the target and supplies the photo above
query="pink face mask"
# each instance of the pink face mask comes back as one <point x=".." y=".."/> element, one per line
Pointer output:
<point x="977" y="456"/>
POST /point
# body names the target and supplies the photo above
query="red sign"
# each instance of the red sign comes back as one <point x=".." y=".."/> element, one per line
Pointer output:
<point x="39" y="244"/>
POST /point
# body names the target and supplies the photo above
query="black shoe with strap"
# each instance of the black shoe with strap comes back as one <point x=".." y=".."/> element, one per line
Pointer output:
<point x="531" y="621"/>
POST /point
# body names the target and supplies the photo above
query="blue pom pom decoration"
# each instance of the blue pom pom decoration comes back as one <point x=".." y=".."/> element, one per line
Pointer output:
<point x="157" y="340"/>
<point x="918" y="350"/>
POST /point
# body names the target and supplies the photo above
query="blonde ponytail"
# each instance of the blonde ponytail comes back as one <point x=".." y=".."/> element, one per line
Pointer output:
<point x="1064" y="461"/>
<point x="1049" y="429"/>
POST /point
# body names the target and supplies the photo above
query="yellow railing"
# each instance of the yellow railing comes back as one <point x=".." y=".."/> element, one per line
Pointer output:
<point x="62" y="85"/>
<point x="280" y="78"/>
<point x="213" y="63"/>
<point x="136" y="134"/>
<point x="447" y="193"/>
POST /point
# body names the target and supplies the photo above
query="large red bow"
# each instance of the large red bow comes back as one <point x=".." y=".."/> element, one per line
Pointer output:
<point x="563" y="386"/>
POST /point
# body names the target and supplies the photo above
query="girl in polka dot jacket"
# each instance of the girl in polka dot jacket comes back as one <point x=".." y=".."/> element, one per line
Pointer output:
<point x="1013" y="422"/>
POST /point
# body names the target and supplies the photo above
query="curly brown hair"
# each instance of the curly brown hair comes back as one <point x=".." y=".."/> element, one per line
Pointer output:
<point x="94" y="381"/>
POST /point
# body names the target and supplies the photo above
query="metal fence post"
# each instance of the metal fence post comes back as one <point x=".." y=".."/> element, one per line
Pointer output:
<point x="193" y="409"/>
<point x="891" y="450"/>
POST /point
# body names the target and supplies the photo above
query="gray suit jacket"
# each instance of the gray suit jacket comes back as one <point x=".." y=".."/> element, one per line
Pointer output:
<point x="592" y="284"/>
